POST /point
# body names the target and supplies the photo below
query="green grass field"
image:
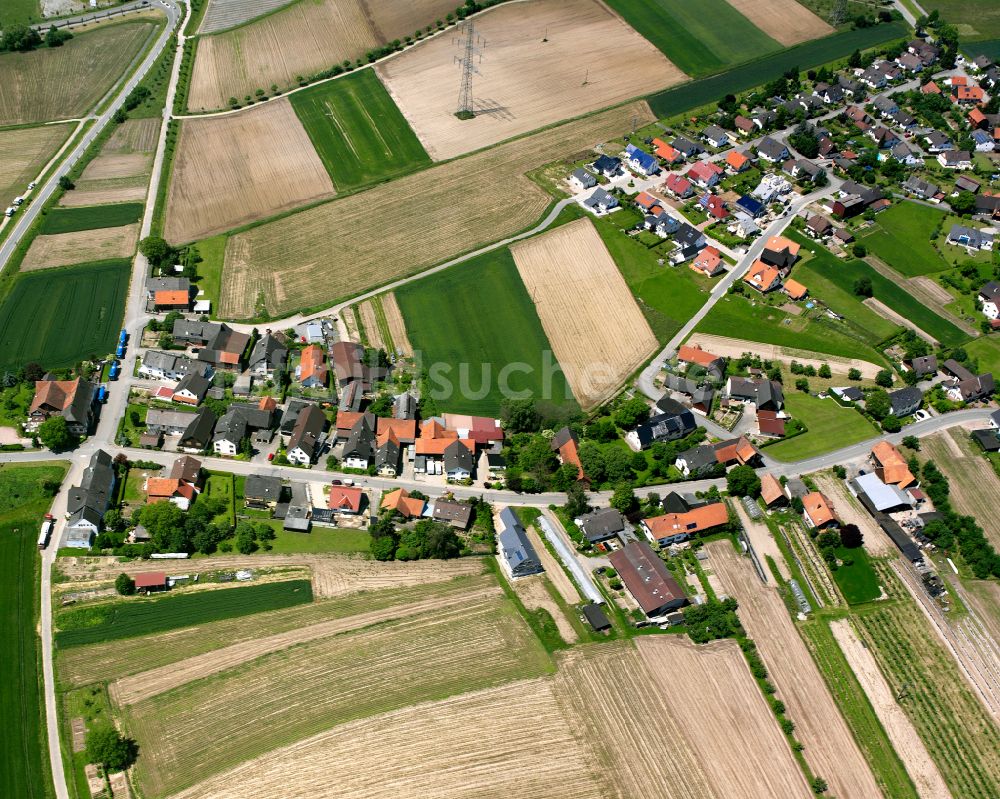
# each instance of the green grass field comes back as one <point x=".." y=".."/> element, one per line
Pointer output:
<point x="989" y="48"/>
<point x="213" y="253"/>
<point x="901" y="238"/>
<point x="858" y="581"/>
<point x="23" y="752"/>
<point x="830" y="426"/>
<point x="809" y="54"/>
<point x="358" y="132"/>
<point x="320" y="539"/>
<point x="469" y="323"/>
<point x="974" y="19"/>
<point x="18" y="11"/>
<point x="134" y="616"/>
<point x="668" y="296"/>
<point x="986" y="349"/>
<point x="90" y="217"/>
<point x="59" y="316"/>
<point x="700" y="38"/>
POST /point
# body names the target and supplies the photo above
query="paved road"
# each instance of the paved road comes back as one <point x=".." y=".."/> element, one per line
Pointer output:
<point x="97" y="15"/>
<point x="556" y="535"/>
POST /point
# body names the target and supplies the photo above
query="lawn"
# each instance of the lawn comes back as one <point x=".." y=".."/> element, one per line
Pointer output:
<point x="990" y="49"/>
<point x="14" y="403"/>
<point x="901" y="238"/>
<point x="973" y="18"/>
<point x="829" y="426"/>
<point x="986" y="350"/>
<point x="858" y="581"/>
<point x="219" y="485"/>
<point x="125" y="618"/>
<point x="898" y="299"/>
<point x="321" y="539"/>
<point x="90" y="217"/>
<point x="60" y="316"/>
<point x="213" y="253"/>
<point x="808" y="54"/>
<point x="358" y="132"/>
<point x="14" y="11"/>
<point x="23" y="751"/>
<point x="668" y="296"/>
<point x="700" y="38"/>
<point x="475" y="328"/>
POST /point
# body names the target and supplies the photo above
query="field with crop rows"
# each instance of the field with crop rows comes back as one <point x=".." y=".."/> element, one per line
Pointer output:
<point x="953" y="725"/>
<point x="83" y="246"/>
<point x="223" y="14"/>
<point x="542" y="39"/>
<point x="90" y="624"/>
<point x="208" y="726"/>
<point x="23" y="153"/>
<point x="69" y="220"/>
<point x="359" y="134"/>
<point x="24" y="771"/>
<point x="57" y="322"/>
<point x="342" y="248"/>
<point x="120" y="172"/>
<point x="65" y="82"/>
<point x="787" y="21"/>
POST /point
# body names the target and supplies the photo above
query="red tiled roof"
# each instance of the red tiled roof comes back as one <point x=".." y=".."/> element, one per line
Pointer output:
<point x="313" y="363"/>
<point x="736" y="159"/>
<point x="696" y="355"/>
<point x="345" y="498"/>
<point x="762" y="276"/>
<point x="770" y="489"/>
<point x="150" y="579"/>
<point x="818" y="508"/>
<point x="693" y="521"/>
<point x="171" y="297"/>
<point x="794" y="289"/>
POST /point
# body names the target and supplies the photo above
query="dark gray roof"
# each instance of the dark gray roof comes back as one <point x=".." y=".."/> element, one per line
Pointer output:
<point x="232" y="426"/>
<point x="760" y="392"/>
<point x="309" y="426"/>
<point x="458" y="514"/>
<point x="195" y="383"/>
<point x="262" y="486"/>
<point x="154" y="284"/>
<point x="666" y="427"/>
<point x="96" y="486"/>
<point x="291" y="413"/>
<point x="595" y="617"/>
<point x="515" y="548"/>
<point x="361" y="441"/>
<point x="405" y="406"/>
<point x="199" y="430"/>
<point x="563" y="436"/>
<point x="458" y="456"/>
<point x="388" y="454"/>
<point x="699" y="458"/>
<point x="925" y="365"/>
<point x="600" y="525"/>
<point x="905" y="400"/>
<point x="771" y="148"/>
<point x="269" y="352"/>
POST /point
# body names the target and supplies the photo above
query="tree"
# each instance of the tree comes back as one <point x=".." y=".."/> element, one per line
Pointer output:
<point x="824" y="371"/>
<point x="624" y="500"/>
<point x="113" y="751"/>
<point x="884" y="378"/>
<point x="631" y="412"/>
<point x="859" y="250"/>
<point x="851" y="536"/>
<point x="113" y="520"/>
<point x="55" y="37"/>
<point x="818" y="785"/>
<point x="54" y="433"/>
<point x="617" y="465"/>
<point x="891" y="424"/>
<point x="911" y="442"/>
<point x="164" y="520"/>
<point x="519" y="416"/>
<point x="804" y="140"/>
<point x="853" y="374"/>
<point x="964" y="203"/>
<point x="576" y="500"/>
<point x="878" y="405"/>
<point x="156" y="250"/>
<point x="854" y="60"/>
<point x="742" y="481"/>
<point x="592" y="460"/>
<point x="863" y="287"/>
<point x="19" y="39"/>
<point x="65" y="183"/>
<point x="124" y="585"/>
<point x="383" y="548"/>
<point x="246" y="538"/>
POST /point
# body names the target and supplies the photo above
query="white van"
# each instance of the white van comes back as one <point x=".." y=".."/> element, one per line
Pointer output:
<point x="10" y="211"/>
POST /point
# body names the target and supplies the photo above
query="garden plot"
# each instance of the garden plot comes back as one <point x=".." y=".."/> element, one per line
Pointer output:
<point x="597" y="331"/>
<point x="237" y="168"/>
<point x="787" y="21"/>
<point x="83" y="246"/>
<point x="222" y="14"/>
<point x="545" y="61"/>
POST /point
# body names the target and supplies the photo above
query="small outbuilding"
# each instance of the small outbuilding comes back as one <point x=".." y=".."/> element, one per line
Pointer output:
<point x="151" y="581"/>
<point x="596" y="617"/>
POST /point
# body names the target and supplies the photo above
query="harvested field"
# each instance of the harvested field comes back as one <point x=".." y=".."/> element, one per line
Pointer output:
<point x="222" y="14"/>
<point x="325" y="32"/>
<point x="592" y="321"/>
<point x="734" y="348"/>
<point x="932" y="289"/>
<point x="785" y="20"/>
<point x="366" y="313"/>
<point x="64" y="249"/>
<point x="207" y="726"/>
<point x="876" y="542"/>
<point x="147" y="684"/>
<point x="397" y="327"/>
<point x="763" y="543"/>
<point x="904" y="738"/>
<point x="102" y="194"/>
<point x="128" y="165"/>
<point x="23" y="154"/>
<point x="433" y="750"/>
<point x="525" y="83"/>
<point x="133" y="136"/>
<point x="830" y="749"/>
<point x="533" y="593"/>
<point x="437" y="213"/>
<point x="239" y="168"/>
<point x="66" y="82"/>
<point x="109" y="661"/>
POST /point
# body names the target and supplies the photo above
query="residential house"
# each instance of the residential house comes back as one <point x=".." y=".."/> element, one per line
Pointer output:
<point x="673" y="422"/>
<point x="750" y="205"/>
<point x="938" y="142"/>
<point x="794" y="289"/>
<point x="715" y="365"/>
<point x="970" y="238"/>
<point x="667" y="152"/>
<point x="771" y="187"/>
<point x="967" y="95"/>
<point x="930" y="88"/>
<point x="172" y="299"/>
<point x="566" y="445"/>
<point x="707" y="457"/>
<point x="346" y="500"/>
<point x="663" y="225"/>
<point x="71" y="399"/>
<point x="743" y="225"/>
<point x="885" y="105"/>
<point x="171" y="423"/>
<point x="312" y="371"/>
<point x="269" y="356"/>
<point x="906" y="154"/>
<point x="349" y="364"/>
<point x="972" y="389"/>
<point x="781" y="253"/>
<point x="689" y="241"/>
<point x="607" y="166"/>
<point x="517" y="554"/>
<point x="905" y="401"/>
<point x="483" y="430"/>
<point x="169" y="489"/>
<point x="714" y="206"/>
<point x="705" y="174"/>
<point x="290" y="415"/>
<point x="818" y="227"/>
<point x="673" y="528"/>
<point x="402" y="503"/>
<point x="602" y="525"/>
<point x="678" y="186"/>
<point x="198" y="434"/>
<point x="955" y="159"/>
<point x="191" y="389"/>
<point x="686" y="147"/>
<point x="648" y="203"/>
<point x="164" y="285"/>
<point x="647" y="579"/>
<point x="764" y="118"/>
<point x="743" y="125"/>
<point x="983" y="141"/>
<point x="221" y="346"/>
<point x="883" y="137"/>
<point x="87" y="503"/>
<point x="458" y="460"/>
<point x="709" y="262"/>
<point x="818" y="511"/>
<point x="307" y="437"/>
<point x="737" y="162"/>
<point x="581" y="180"/>
<point x="772" y="151"/>
<point x="457" y="514"/>
<point x="640" y="161"/>
<point x="359" y="449"/>
<point x="715" y="136"/>
<point x="388" y="455"/>
<point x="830" y="94"/>
<point x="600" y="202"/>
<point x="230" y="432"/>
<point x="763" y="394"/>
<point x="158" y="365"/>
<point x="926" y="365"/>
<point x="890" y="465"/>
<point x="262" y="491"/>
<point x="988" y="205"/>
<point x="989" y="299"/>
<point x="762" y="277"/>
<point x="405" y="430"/>
<point x="921" y="188"/>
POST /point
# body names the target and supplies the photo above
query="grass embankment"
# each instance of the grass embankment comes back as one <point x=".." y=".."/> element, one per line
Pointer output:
<point x="90" y="217"/>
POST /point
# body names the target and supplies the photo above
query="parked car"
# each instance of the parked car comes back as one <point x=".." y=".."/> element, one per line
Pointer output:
<point x="270" y="456"/>
<point x="336" y="482"/>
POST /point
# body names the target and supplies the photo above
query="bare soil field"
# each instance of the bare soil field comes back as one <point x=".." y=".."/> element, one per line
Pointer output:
<point x="876" y="542"/>
<point x="64" y="249"/>
<point x="366" y="313"/>
<point x="786" y="21"/>
<point x="325" y="32"/>
<point x="134" y="136"/>
<point x="114" y="660"/>
<point x="763" y="542"/>
<point x="120" y="172"/>
<point x="126" y="165"/>
<point x="830" y="749"/>
<point x="342" y="248"/>
<point x="435" y="750"/>
<point x="938" y="292"/>
<point x="735" y="347"/>
<point x="560" y="580"/>
<point x="23" y="153"/>
<point x="535" y="596"/>
<point x="589" y="315"/>
<point x="589" y="60"/>
<point x="144" y="685"/>
<point x="899" y="728"/>
<point x="216" y="723"/>
<point x="102" y="192"/>
<point x="397" y="327"/>
<point x="238" y="168"/>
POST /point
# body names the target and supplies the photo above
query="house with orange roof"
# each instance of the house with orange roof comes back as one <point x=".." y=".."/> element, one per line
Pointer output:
<point x="958" y="80"/>
<point x="312" y="371"/>
<point x="345" y="499"/>
<point x="771" y="491"/>
<point x="818" y="512"/>
<point x="762" y="277"/>
<point x="405" y="430"/>
<point x="977" y="118"/>
<point x="402" y="503"/>
<point x="71" y="399"/>
<point x="967" y="95"/>
<point x="699" y="357"/>
<point x="890" y="465"/>
<point x="737" y="161"/>
<point x="347" y="419"/>
<point x="648" y="203"/>
<point x="673" y="528"/>
<point x="170" y="489"/>
<point x="668" y="153"/>
<point x="709" y="262"/>
<point x="565" y="444"/>
<point x="794" y="289"/>
<point x="930" y="88"/>
<point x="171" y="300"/>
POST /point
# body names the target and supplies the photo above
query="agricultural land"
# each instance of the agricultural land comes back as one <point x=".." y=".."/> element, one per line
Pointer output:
<point x="223" y="14"/>
<point x="787" y="21"/>
<point x="72" y="220"/>
<point x="238" y="168"/>
<point x="597" y="332"/>
<point x="120" y="172"/>
<point x="23" y="154"/>
<point x="81" y="246"/>
<point x="561" y="85"/>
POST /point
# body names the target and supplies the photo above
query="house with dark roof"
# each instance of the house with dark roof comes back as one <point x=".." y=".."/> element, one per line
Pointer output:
<point x="905" y="401"/>
<point x="764" y="394"/>
<point x="772" y="151"/>
<point x="602" y="525"/>
<point x="664" y="426"/>
<point x="924" y="365"/>
<point x="388" y="454"/>
<point x="607" y="166"/>
<point x="955" y="159"/>
<point x="600" y="201"/>
<point x="359" y="449"/>
<point x="262" y="491"/>
<point x="715" y="136"/>
<point x="308" y="435"/>
<point x="921" y="188"/>
<point x="458" y="461"/>
<point x="640" y="161"/>
<point x="647" y="579"/>
<point x="87" y="503"/>
<point x="269" y="356"/>
<point x="191" y="389"/>
<point x="581" y="179"/>
<point x="71" y="399"/>
<point x="516" y="552"/>
<point x="159" y="365"/>
<point x="457" y="514"/>
<point x="686" y="147"/>
<point x="971" y="238"/>
<point x="197" y="436"/>
<point x="221" y="346"/>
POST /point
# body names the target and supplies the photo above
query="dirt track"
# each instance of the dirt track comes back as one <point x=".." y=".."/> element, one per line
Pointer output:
<point x="885" y="311"/>
<point x="735" y="347"/>
<point x="397" y="327"/>
<point x="535" y="596"/>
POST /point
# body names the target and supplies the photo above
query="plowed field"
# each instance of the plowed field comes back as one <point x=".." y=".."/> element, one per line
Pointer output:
<point x="787" y="21"/>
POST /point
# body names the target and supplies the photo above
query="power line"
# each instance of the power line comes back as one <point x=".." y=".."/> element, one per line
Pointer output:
<point x="472" y="46"/>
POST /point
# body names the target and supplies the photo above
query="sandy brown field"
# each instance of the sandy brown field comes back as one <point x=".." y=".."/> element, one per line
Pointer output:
<point x="899" y="728"/>
<point x="134" y="136"/>
<point x="786" y="21"/>
<point x="525" y="83"/>
<point x="596" y="329"/>
<point x="830" y="749"/>
<point x="886" y="312"/>
<point x="238" y="168"/>
<point x="64" y="249"/>
<point x="366" y="313"/>
<point x="436" y="749"/>
<point x="23" y="153"/>
<point x="324" y="32"/>
<point x="342" y="248"/>
<point x="214" y="724"/>
<point x="126" y="165"/>
<point x="735" y="347"/>
<point x="533" y="593"/>
<point x="554" y="570"/>
<point x="763" y="543"/>
<point x="101" y="193"/>
<point x="222" y="14"/>
<point x="120" y="172"/>
<point x="397" y="327"/>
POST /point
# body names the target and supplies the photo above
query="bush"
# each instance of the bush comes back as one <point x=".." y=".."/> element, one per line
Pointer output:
<point x="124" y="585"/>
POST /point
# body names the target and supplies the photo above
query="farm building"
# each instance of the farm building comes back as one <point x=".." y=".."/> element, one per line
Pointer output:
<point x="890" y="466"/>
<point x="771" y="491"/>
<point x="71" y="399"/>
<point x="151" y="581"/>
<point x="596" y="618"/>
<point x="647" y="579"/>
<point x="883" y="497"/>
<point x="516" y="552"/>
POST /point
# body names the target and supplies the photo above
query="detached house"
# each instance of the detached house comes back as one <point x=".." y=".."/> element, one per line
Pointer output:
<point x="312" y="370"/>
<point x="672" y="423"/>
<point x="970" y="238"/>
<point x="737" y="162"/>
<point x="673" y="528"/>
<point x="600" y="202"/>
<point x="87" y="503"/>
<point x="764" y="394"/>
<point x="307" y="436"/>
<point x="667" y="152"/>
<point x="762" y="277"/>
<point x="581" y="179"/>
<point x="221" y="346"/>
<point x="642" y="162"/>
<point x="517" y="554"/>
<point x="989" y="297"/>
<point x="705" y="174"/>
<point x="607" y="166"/>
<point x="359" y="449"/>
<point x="715" y="136"/>
<point x="955" y="159"/>
<point x="709" y="262"/>
<point x="772" y="151"/>
<point x="71" y="399"/>
<point x="388" y="455"/>
<point x="818" y="512"/>
<point x="191" y="389"/>
<point x="268" y="357"/>
<point x="678" y="186"/>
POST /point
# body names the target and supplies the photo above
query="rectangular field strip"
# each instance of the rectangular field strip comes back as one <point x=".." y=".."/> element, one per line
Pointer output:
<point x="70" y="220"/>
